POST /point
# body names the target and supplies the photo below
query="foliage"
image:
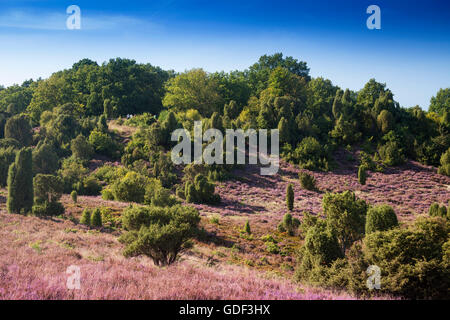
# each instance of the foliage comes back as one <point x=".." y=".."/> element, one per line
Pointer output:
<point x="289" y="224"/>
<point x="159" y="233"/>
<point x="380" y="218"/>
<point x="81" y="149"/>
<point x="74" y="196"/>
<point x="362" y="175"/>
<point x="201" y="191"/>
<point x="290" y="197"/>
<point x="444" y="169"/>
<point x="86" y="217"/>
<point x="346" y="215"/>
<point x="45" y="159"/>
<point x="96" y="218"/>
<point x="307" y="181"/>
<point x="7" y="157"/>
<point x="18" y="128"/>
<point x="20" y="183"/>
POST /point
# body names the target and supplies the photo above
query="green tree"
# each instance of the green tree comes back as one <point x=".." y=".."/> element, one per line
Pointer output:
<point x="362" y="174"/>
<point x="347" y="215"/>
<point x="290" y="197"/>
<point x="74" y="196"/>
<point x="81" y="149"/>
<point x="86" y="217"/>
<point x="45" y="159"/>
<point x="159" y="233"/>
<point x="7" y="157"/>
<point x="247" y="228"/>
<point x="96" y="218"/>
<point x="18" y="128"/>
<point x="380" y="218"/>
<point x="47" y="192"/>
<point x="441" y="102"/>
<point x="194" y="89"/>
<point x="20" y="183"/>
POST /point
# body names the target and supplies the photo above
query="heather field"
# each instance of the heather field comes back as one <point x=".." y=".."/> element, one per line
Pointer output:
<point x="224" y="262"/>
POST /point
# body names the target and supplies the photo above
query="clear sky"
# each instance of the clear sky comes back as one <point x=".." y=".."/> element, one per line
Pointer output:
<point x="411" y="52"/>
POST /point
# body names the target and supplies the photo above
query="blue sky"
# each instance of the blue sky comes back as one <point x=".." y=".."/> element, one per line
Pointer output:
<point x="411" y="52"/>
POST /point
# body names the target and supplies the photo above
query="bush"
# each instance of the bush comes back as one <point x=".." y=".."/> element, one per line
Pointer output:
<point x="89" y="186"/>
<point x="130" y="188"/>
<point x="7" y="157"/>
<point x="347" y="215"/>
<point x="247" y="228"/>
<point x="81" y="149"/>
<point x="201" y="191"/>
<point x="434" y="210"/>
<point x="51" y="209"/>
<point x="163" y="198"/>
<point x="86" y="217"/>
<point x="96" y="218"/>
<point x="103" y="143"/>
<point x="159" y="233"/>
<point x="412" y="260"/>
<point x="289" y="224"/>
<point x="18" y="128"/>
<point x="391" y="154"/>
<point x="20" y="183"/>
<point x="74" y="196"/>
<point x="272" y="248"/>
<point x="45" y="159"/>
<point x="310" y="155"/>
<point x="47" y="192"/>
<point x="381" y="218"/>
<point x="362" y="175"/>
<point x="444" y="169"/>
<point x="307" y="181"/>
<point x="290" y="197"/>
<point x="72" y="172"/>
<point x="442" y="212"/>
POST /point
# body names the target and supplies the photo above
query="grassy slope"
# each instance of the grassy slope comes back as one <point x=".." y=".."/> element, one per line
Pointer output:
<point x="224" y="264"/>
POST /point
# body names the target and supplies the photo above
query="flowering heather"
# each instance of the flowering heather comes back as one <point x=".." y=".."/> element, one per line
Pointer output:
<point x="35" y="254"/>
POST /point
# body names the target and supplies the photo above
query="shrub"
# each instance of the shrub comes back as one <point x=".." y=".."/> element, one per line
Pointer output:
<point x="381" y="218"/>
<point x="434" y="210"/>
<point x="159" y="233"/>
<point x="391" y="154"/>
<point x="201" y="191"/>
<point x="272" y="248"/>
<point x="347" y="215"/>
<point x="18" y="128"/>
<point x="321" y="245"/>
<point x="289" y="224"/>
<point x="86" y="217"/>
<point x="7" y="157"/>
<point x="130" y="188"/>
<point x="163" y="198"/>
<point x="247" y="228"/>
<point x="51" y="209"/>
<point x="442" y="212"/>
<point x="103" y="143"/>
<point x="47" y="192"/>
<point x="412" y="260"/>
<point x="290" y="197"/>
<point x="81" y="149"/>
<point x="72" y="172"/>
<point x="45" y="159"/>
<point x="307" y="181"/>
<point x="444" y="169"/>
<point x="89" y="186"/>
<point x="362" y="175"/>
<point x="74" y="196"/>
<point x="310" y="155"/>
<point x="96" y="218"/>
<point x="20" y="183"/>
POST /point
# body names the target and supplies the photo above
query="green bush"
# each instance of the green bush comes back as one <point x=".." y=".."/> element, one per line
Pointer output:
<point x="201" y="191"/>
<point x="434" y="210"/>
<point x="310" y="155"/>
<point x="96" y="218"/>
<point x="7" y="157"/>
<point x="289" y="224"/>
<point x="74" y="196"/>
<point x="307" y="181"/>
<point x="103" y="143"/>
<point x="81" y="149"/>
<point x="159" y="233"/>
<point x="444" y="169"/>
<point x="247" y="228"/>
<point x="362" y="175"/>
<point x="290" y="197"/>
<point x="86" y="217"/>
<point x="346" y="215"/>
<point x="18" y="128"/>
<point x="381" y="218"/>
<point x="391" y="154"/>
<point x="20" y="183"/>
<point x="48" y="190"/>
<point x="51" y="209"/>
<point x="163" y="198"/>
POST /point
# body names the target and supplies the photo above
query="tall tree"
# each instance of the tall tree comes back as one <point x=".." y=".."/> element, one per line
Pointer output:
<point x="20" y="183"/>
